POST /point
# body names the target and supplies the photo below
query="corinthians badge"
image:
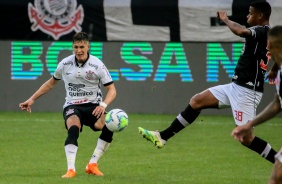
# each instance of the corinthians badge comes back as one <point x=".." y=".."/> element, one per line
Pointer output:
<point x="55" y="17"/>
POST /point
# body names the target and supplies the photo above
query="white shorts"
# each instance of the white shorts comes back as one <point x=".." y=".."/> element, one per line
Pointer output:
<point x="243" y="101"/>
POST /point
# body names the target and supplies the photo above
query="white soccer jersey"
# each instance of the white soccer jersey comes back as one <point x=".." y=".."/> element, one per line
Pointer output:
<point x="82" y="83"/>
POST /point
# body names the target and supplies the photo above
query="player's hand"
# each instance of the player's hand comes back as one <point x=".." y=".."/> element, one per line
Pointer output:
<point x="221" y="15"/>
<point x="99" y="111"/>
<point x="26" y="106"/>
<point x="240" y="132"/>
<point x="271" y="76"/>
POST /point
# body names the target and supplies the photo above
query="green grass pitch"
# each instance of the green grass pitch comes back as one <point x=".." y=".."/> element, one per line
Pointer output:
<point x="32" y="152"/>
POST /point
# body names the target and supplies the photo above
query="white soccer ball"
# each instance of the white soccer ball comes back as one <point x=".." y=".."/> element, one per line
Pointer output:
<point x="116" y="120"/>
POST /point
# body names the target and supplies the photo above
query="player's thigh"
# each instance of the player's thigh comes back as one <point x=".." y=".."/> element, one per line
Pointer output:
<point x="218" y="96"/>
<point x="202" y="100"/>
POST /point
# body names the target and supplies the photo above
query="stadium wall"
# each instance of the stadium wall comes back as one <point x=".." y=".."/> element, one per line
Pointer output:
<point x="151" y="77"/>
<point x="159" y="54"/>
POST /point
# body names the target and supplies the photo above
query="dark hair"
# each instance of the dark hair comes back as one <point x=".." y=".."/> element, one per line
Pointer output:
<point x="263" y="7"/>
<point x="275" y="31"/>
<point x="80" y="36"/>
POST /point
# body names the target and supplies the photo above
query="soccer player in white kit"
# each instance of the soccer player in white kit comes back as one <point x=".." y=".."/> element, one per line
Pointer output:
<point x="83" y="74"/>
<point x="243" y="94"/>
<point x="274" y="107"/>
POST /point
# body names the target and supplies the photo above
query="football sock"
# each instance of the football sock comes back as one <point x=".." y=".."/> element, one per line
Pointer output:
<point x="106" y="134"/>
<point x="71" y="151"/>
<point x="71" y="146"/>
<point x="73" y="134"/>
<point x="101" y="147"/>
<point x="263" y="148"/>
<point x="185" y="118"/>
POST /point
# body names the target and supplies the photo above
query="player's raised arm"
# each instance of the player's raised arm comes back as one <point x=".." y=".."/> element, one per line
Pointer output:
<point x="236" y="28"/>
<point x="47" y="86"/>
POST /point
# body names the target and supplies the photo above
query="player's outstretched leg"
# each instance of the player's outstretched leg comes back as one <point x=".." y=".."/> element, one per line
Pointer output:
<point x="153" y="136"/>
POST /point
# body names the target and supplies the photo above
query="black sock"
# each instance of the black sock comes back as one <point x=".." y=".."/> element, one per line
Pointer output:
<point x="106" y="135"/>
<point x="260" y="146"/>
<point x="185" y="118"/>
<point x="73" y="134"/>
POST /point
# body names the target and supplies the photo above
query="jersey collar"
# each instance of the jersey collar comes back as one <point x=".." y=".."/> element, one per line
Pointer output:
<point x="76" y="63"/>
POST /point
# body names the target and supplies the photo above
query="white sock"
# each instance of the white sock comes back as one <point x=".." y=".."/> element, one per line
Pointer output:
<point x="71" y="151"/>
<point x="101" y="147"/>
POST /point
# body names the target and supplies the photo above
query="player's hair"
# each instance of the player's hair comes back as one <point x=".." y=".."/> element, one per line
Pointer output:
<point x="80" y="36"/>
<point x="276" y="33"/>
<point x="263" y="7"/>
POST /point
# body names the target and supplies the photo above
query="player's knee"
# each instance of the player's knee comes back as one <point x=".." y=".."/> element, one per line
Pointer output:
<point x="72" y="118"/>
<point x="99" y="124"/>
<point x="196" y="101"/>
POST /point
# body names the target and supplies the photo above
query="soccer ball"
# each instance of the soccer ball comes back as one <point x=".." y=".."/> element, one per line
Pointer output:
<point x="116" y="120"/>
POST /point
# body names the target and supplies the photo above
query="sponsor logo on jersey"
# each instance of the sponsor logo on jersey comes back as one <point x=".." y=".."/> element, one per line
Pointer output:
<point x="80" y="93"/>
<point x="93" y="65"/>
<point x="80" y="101"/>
<point x="68" y="63"/>
<point x="76" y="86"/>
<point x="74" y="90"/>
<point x="55" y="17"/>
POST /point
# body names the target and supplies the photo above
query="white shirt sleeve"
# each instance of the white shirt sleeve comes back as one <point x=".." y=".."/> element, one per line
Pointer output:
<point x="58" y="71"/>
<point x="105" y="75"/>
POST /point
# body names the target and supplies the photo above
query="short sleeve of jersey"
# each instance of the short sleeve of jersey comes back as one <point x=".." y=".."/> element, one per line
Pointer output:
<point x="58" y="71"/>
<point x="257" y="31"/>
<point x="105" y="75"/>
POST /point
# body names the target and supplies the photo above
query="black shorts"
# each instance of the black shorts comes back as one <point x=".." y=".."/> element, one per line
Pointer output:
<point x="84" y="113"/>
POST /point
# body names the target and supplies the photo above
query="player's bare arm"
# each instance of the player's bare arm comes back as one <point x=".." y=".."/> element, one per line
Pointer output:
<point x="110" y="96"/>
<point x="236" y="28"/>
<point x="271" y="110"/>
<point x="47" y="86"/>
<point x="272" y="74"/>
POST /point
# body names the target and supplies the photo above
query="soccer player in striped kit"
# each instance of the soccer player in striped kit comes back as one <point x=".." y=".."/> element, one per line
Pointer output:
<point x="245" y="91"/>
